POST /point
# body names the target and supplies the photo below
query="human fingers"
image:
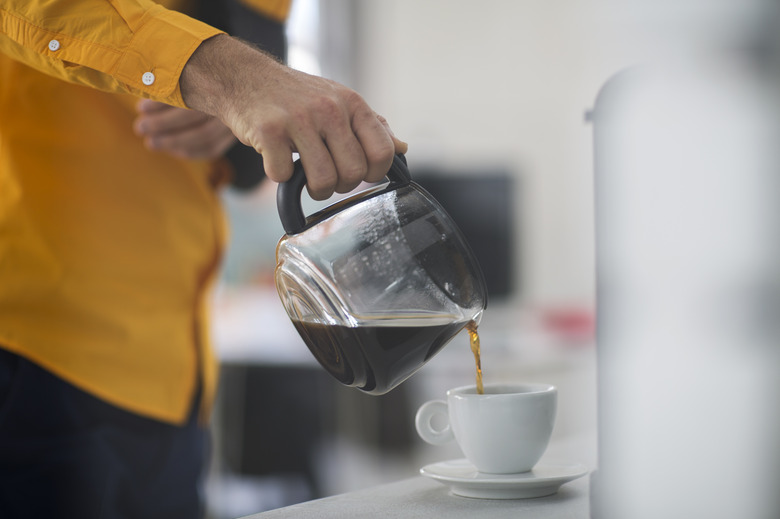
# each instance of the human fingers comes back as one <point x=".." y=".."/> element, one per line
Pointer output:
<point x="165" y="119"/>
<point x="377" y="143"/>
<point x="346" y="153"/>
<point x="147" y="106"/>
<point x="209" y="140"/>
<point x="317" y="161"/>
<point x="284" y="131"/>
<point x="268" y="136"/>
<point x="399" y="145"/>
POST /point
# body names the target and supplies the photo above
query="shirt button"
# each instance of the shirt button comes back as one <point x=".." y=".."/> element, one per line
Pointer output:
<point x="54" y="45"/>
<point x="147" y="78"/>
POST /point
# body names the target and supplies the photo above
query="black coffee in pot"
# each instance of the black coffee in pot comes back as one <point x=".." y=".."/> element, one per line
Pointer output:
<point x="376" y="358"/>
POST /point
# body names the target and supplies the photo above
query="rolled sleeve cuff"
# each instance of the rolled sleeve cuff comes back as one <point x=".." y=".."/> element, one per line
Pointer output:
<point x="160" y="47"/>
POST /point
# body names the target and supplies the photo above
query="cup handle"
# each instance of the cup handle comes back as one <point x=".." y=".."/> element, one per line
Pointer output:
<point x="423" y="423"/>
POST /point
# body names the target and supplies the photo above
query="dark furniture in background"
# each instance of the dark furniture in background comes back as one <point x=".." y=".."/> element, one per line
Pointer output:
<point x="482" y="203"/>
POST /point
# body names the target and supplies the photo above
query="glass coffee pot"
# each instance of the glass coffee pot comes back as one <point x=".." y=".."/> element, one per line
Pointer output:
<point x="378" y="283"/>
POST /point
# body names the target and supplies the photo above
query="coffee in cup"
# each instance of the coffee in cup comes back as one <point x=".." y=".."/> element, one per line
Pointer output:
<point x="505" y="430"/>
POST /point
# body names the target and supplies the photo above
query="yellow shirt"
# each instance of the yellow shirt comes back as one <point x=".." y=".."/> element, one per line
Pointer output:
<point x="106" y="250"/>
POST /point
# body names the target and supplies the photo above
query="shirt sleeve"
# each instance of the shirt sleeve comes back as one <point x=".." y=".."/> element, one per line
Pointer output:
<point x="123" y="46"/>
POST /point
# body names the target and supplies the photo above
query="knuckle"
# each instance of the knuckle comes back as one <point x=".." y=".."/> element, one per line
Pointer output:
<point x="277" y="172"/>
<point x="353" y="174"/>
<point x="328" y="107"/>
<point x="382" y="153"/>
<point x="272" y="129"/>
<point x="151" y="125"/>
<point x="354" y="99"/>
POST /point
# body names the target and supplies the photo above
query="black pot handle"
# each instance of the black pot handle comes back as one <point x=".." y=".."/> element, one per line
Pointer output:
<point x="288" y="194"/>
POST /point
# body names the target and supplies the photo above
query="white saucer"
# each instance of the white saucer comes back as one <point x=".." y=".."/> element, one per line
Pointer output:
<point x="464" y="480"/>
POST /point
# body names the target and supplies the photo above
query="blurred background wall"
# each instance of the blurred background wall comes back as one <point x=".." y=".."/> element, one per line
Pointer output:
<point x="475" y="85"/>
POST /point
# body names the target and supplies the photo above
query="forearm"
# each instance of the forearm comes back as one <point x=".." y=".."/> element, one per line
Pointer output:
<point x="209" y="79"/>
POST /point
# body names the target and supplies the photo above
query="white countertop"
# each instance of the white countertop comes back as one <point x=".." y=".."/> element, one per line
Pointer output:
<point x="420" y="497"/>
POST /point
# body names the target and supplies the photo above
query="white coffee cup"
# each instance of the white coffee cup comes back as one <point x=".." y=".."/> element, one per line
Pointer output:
<point x="503" y="431"/>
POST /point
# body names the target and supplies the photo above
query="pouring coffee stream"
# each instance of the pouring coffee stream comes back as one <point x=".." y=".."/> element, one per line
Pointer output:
<point x="471" y="327"/>
<point x="376" y="284"/>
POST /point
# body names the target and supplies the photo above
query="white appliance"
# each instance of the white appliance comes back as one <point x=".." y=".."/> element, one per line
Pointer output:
<point x="687" y="187"/>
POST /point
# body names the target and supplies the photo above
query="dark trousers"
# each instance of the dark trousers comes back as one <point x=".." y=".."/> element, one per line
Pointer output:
<point x="65" y="453"/>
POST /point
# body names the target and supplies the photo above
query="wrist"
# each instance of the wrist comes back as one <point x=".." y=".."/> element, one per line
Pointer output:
<point x="213" y="74"/>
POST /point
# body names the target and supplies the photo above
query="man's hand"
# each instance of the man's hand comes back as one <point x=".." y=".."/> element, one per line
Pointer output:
<point x="187" y="134"/>
<point x="278" y="111"/>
